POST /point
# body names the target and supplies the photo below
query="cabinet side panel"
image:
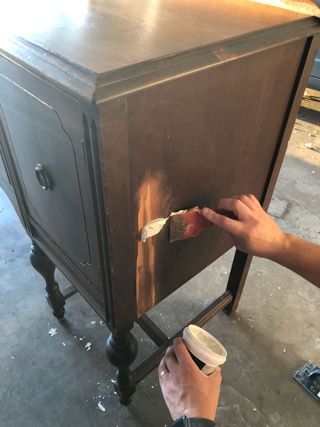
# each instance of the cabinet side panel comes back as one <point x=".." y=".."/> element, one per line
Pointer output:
<point x="184" y="143"/>
<point x="195" y="140"/>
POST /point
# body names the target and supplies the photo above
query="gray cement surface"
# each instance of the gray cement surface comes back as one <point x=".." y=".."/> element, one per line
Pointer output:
<point x="54" y="381"/>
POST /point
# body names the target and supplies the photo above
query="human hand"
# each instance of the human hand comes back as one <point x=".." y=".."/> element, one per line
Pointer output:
<point x="253" y="231"/>
<point x="187" y="390"/>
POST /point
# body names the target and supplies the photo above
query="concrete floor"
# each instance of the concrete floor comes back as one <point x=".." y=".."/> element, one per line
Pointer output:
<point x="54" y="381"/>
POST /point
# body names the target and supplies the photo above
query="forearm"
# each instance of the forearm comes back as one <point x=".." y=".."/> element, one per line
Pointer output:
<point x="255" y="232"/>
<point x="302" y="257"/>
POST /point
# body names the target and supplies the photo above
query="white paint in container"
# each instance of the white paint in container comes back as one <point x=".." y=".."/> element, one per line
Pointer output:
<point x="207" y="352"/>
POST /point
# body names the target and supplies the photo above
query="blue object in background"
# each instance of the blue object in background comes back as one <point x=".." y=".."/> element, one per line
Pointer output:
<point x="314" y="80"/>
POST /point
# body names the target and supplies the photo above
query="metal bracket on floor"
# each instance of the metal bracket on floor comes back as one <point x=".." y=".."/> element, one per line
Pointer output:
<point x="309" y="378"/>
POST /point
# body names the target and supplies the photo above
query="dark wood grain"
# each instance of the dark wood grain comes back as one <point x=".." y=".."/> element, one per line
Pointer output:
<point x="191" y="142"/>
<point x="104" y="35"/>
<point x="114" y="47"/>
<point x="118" y="203"/>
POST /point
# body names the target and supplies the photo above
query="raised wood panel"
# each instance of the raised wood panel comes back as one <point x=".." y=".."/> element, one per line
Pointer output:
<point x="45" y="126"/>
<point x="38" y="137"/>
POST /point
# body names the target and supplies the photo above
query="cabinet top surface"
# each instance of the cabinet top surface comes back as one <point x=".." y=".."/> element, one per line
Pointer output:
<point x="106" y="35"/>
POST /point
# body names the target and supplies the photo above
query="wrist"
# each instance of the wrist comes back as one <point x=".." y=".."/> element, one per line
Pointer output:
<point x="185" y="421"/>
<point x="196" y="413"/>
<point x="283" y="253"/>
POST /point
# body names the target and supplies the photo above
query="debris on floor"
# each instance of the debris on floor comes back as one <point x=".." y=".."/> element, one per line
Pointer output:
<point x="313" y="147"/>
<point x="88" y="346"/>
<point x="101" y="407"/>
<point x="52" y="332"/>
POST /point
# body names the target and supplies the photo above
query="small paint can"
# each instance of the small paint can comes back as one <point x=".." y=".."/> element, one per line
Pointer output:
<point x="207" y="352"/>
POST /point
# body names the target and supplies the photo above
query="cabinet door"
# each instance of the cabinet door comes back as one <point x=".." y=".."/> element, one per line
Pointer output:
<point x="44" y="156"/>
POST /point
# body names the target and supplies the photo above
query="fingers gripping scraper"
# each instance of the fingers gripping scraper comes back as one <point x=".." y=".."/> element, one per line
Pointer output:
<point x="186" y="224"/>
<point x="182" y="225"/>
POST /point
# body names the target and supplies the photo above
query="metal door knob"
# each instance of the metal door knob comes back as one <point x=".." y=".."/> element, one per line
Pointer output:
<point x="42" y="177"/>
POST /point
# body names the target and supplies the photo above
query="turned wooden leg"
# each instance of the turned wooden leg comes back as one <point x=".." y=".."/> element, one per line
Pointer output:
<point x="121" y="351"/>
<point x="46" y="268"/>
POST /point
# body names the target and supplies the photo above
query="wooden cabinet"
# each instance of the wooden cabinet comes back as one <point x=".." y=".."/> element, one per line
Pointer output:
<point x="125" y="112"/>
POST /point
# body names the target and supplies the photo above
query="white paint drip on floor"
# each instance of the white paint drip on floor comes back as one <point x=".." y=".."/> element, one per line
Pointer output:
<point x="101" y="407"/>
